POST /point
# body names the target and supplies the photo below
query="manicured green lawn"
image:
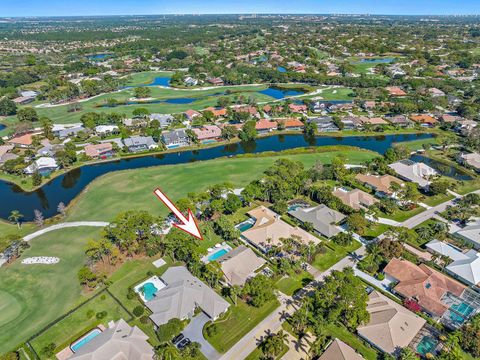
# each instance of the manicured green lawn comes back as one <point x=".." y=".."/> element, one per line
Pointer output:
<point x="437" y="199"/>
<point x="31" y="296"/>
<point x="375" y="229"/>
<point x="258" y="354"/>
<point x="340" y="332"/>
<point x="401" y="215"/>
<point x="333" y="255"/>
<point x="415" y="145"/>
<point x="7" y="229"/>
<point x="69" y="329"/>
<point x="468" y="186"/>
<point x="238" y="321"/>
<point x="145" y="77"/>
<point x="290" y="284"/>
<point x="132" y="189"/>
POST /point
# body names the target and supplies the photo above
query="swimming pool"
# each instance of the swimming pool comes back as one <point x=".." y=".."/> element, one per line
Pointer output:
<point x="209" y="141"/>
<point x="217" y="254"/>
<point x="244" y="226"/>
<point x="426" y="345"/>
<point x="75" y="346"/>
<point x="463" y="309"/>
<point x="149" y="290"/>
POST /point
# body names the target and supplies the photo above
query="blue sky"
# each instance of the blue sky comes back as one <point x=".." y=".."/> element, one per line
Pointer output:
<point x="131" y="7"/>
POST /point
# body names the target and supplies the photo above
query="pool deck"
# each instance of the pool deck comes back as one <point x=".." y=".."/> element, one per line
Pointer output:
<point x="155" y="280"/>
<point x="223" y="246"/>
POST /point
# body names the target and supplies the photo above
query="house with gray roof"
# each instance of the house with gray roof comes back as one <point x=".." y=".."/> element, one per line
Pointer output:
<point x="165" y="120"/>
<point x="324" y="124"/>
<point x="322" y="218"/>
<point x="120" y="341"/>
<point x="180" y="297"/>
<point x="140" y="143"/>
<point x="175" y="138"/>
<point x="471" y="234"/>
<point x="63" y="131"/>
<point x="416" y="172"/>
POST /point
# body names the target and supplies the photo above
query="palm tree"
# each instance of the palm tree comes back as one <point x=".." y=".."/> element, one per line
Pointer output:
<point x="166" y="352"/>
<point x="15" y="217"/>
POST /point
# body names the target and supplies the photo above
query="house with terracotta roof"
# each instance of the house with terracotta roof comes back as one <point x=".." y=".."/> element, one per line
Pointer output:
<point x="424" y="120"/>
<point x="208" y="132"/>
<point x="98" y="151"/>
<point x="298" y="108"/>
<point x="356" y="198"/>
<point x="22" y="141"/>
<point x="216" y="81"/>
<point x="436" y="92"/>
<point x="217" y="112"/>
<point x="373" y="121"/>
<point x="381" y="184"/>
<point x="191" y="114"/>
<point x="426" y="286"/>
<point x="292" y="124"/>
<point x="391" y="327"/>
<point x="268" y="230"/>
<point x="265" y="125"/>
<point x="395" y="91"/>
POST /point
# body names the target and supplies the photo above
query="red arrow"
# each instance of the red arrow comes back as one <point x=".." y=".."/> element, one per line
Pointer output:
<point x="188" y="225"/>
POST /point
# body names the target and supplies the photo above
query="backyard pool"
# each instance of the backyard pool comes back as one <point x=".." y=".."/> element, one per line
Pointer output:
<point x="217" y="254"/>
<point x="75" y="346"/>
<point x="149" y="291"/>
<point x="426" y="345"/>
<point x="463" y="309"/>
<point x="244" y="226"/>
<point x="148" y="288"/>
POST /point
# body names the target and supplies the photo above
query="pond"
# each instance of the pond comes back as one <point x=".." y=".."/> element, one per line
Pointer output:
<point x="159" y="81"/>
<point x="281" y="69"/>
<point x="99" y="56"/>
<point x="66" y="187"/>
<point x="278" y="93"/>
<point x="444" y="169"/>
<point x="386" y="60"/>
<point x="2" y="127"/>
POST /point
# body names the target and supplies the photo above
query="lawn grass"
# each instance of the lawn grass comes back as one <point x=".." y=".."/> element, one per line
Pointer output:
<point x="401" y="215"/>
<point x="8" y="229"/>
<point x="466" y="187"/>
<point x="31" y="296"/>
<point x="342" y="333"/>
<point x="70" y="328"/>
<point x="238" y="321"/>
<point x="437" y="199"/>
<point x="415" y="145"/>
<point x="132" y="189"/>
<point x="333" y="255"/>
<point x="145" y="77"/>
<point x="291" y="283"/>
<point x="258" y="353"/>
<point x="374" y="230"/>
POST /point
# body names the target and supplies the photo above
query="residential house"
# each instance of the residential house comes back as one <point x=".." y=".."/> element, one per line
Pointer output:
<point x="4" y="150"/>
<point x="105" y="130"/>
<point x="139" y="122"/>
<point x="99" y="151"/>
<point x="119" y="341"/>
<point x="265" y="125"/>
<point x="322" y="218"/>
<point x="324" y="124"/>
<point x="436" y="92"/>
<point x="395" y="91"/>
<point x="43" y="165"/>
<point x="217" y="112"/>
<point x="63" y="131"/>
<point x="465" y="126"/>
<point x="391" y="326"/>
<point x="418" y="173"/>
<point x="348" y="123"/>
<point x="191" y="114"/>
<point x="175" y="138"/>
<point x="400" y="120"/>
<point x="424" y="285"/>
<point x="189" y="81"/>
<point x="23" y="100"/>
<point x="381" y="184"/>
<point x="239" y="264"/>
<point x="216" y="81"/>
<point x="268" y="230"/>
<point x="180" y="297"/>
<point x="471" y="234"/>
<point x="338" y="350"/>
<point x="49" y="150"/>
<point x="356" y="198"/>
<point x="252" y="110"/>
<point x="424" y="120"/>
<point x="372" y="121"/>
<point x="140" y="143"/>
<point x="449" y="118"/>
<point x="165" y="120"/>
<point x="298" y="108"/>
<point x="369" y="104"/>
<point x="471" y="160"/>
<point x="465" y="266"/>
<point x="292" y="124"/>
<point x="208" y="132"/>
<point x="22" y="141"/>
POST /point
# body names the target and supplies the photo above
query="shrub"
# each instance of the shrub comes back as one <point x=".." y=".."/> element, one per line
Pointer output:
<point x="138" y="311"/>
<point x="212" y="330"/>
<point x="131" y="294"/>
<point x="144" y="319"/>
<point x="49" y="350"/>
<point x="101" y="315"/>
<point x="90" y="313"/>
<point x="167" y="331"/>
<point x="380" y="276"/>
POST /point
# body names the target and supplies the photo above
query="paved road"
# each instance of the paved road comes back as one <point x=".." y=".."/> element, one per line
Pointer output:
<point x="194" y="332"/>
<point x="63" y="226"/>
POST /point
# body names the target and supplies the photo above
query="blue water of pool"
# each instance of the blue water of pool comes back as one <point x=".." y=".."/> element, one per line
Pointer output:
<point x="149" y="290"/>
<point x="85" y="340"/>
<point x="217" y="254"/>
<point x="244" y="226"/>
<point x="464" y="309"/>
<point x="426" y="345"/>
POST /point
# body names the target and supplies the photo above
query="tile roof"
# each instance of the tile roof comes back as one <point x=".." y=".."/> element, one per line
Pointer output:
<point x="379" y="183"/>
<point x="239" y="264"/>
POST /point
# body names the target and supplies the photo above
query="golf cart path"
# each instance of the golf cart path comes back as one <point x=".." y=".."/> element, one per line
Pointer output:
<point x="64" y="226"/>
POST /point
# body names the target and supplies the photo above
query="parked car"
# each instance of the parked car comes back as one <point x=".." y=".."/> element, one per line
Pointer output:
<point x="183" y="343"/>
<point x="178" y="338"/>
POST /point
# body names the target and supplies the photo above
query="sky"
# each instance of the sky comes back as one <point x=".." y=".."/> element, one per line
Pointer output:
<point x="151" y="7"/>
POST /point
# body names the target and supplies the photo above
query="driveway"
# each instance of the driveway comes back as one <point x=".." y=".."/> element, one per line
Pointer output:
<point x="193" y="331"/>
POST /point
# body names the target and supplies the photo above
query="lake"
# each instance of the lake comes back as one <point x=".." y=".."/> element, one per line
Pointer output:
<point x="66" y="187"/>
<point x="444" y="169"/>
<point x="278" y="93"/>
<point x="386" y="60"/>
<point x="2" y="127"/>
<point x="98" y="56"/>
